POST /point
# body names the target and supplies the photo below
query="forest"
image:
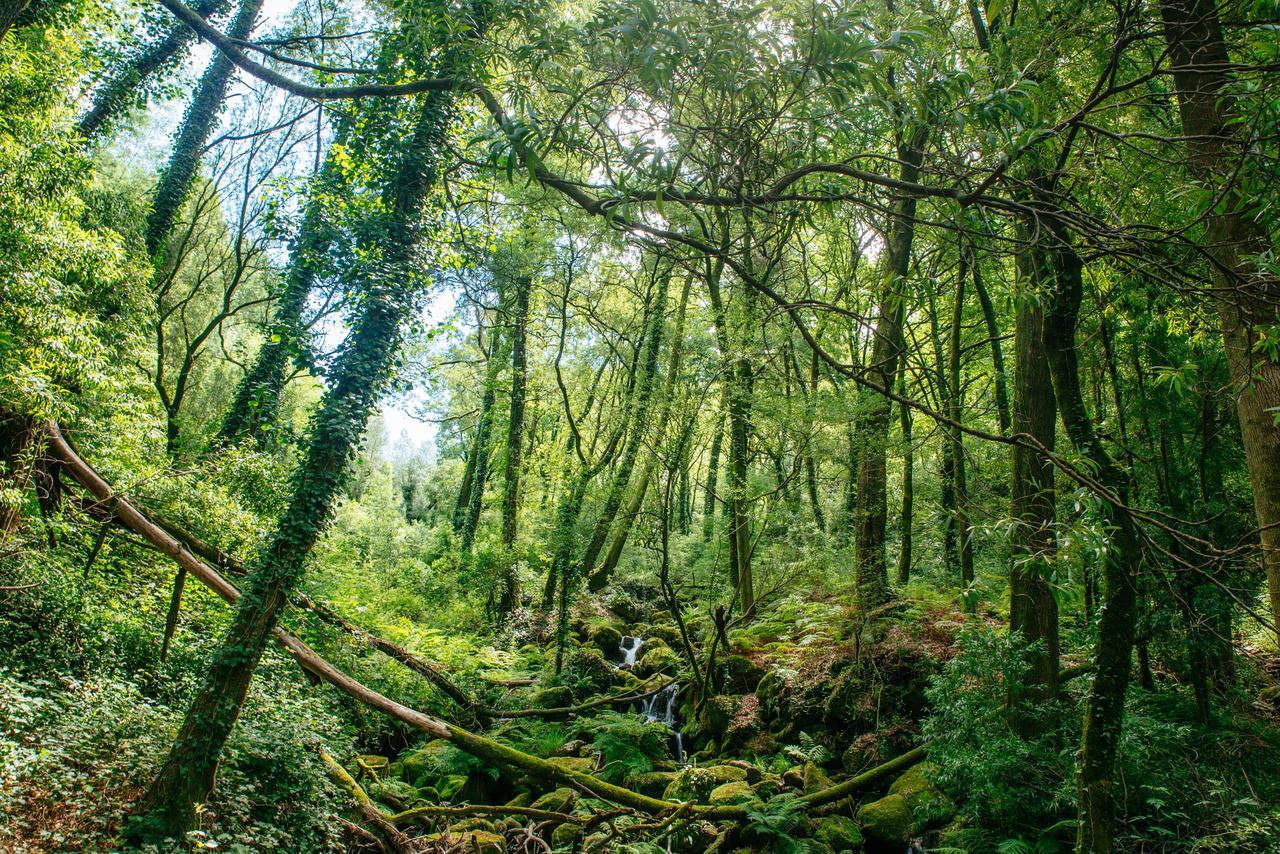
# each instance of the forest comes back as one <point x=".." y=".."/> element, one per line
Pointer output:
<point x="641" y="426"/>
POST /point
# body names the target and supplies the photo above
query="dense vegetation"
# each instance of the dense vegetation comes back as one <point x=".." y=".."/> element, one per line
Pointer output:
<point x="840" y="426"/>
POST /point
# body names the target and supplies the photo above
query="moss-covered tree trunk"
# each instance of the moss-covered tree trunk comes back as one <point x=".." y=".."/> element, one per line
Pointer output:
<point x="198" y="123"/>
<point x="358" y="377"/>
<point x="709" y="498"/>
<point x="480" y="449"/>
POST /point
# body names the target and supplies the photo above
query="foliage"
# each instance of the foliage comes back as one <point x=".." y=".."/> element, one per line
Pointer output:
<point x="627" y="744"/>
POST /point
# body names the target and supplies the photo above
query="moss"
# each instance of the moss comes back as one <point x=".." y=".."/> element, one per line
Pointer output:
<point x="555" y="697"/>
<point x="652" y="783"/>
<point x="731" y="793"/>
<point x="576" y="764"/>
<point x="839" y="832"/>
<point x="608" y="640"/>
<point x="815" y="779"/>
<point x="716" y="714"/>
<point x="656" y="658"/>
<point x="564" y="836"/>
<point x="664" y="633"/>
<point x="421" y="767"/>
<point x="696" y="784"/>
<point x="886" y="822"/>
<point x="929" y="805"/>
<point x="474" y="841"/>
<point x="770" y="691"/>
<point x="741" y="674"/>
<point x="561" y="800"/>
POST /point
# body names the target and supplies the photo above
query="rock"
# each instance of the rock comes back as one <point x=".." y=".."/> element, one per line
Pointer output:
<point x="655" y="658"/>
<point x="563" y="837"/>
<point x="716" y="714"/>
<point x="768" y="786"/>
<point x="886" y="822"/>
<point x="555" y="697"/>
<point x="561" y="800"/>
<point x="839" y="832"/>
<point x="588" y="669"/>
<point x="667" y="634"/>
<point x="608" y="640"/>
<point x="754" y="774"/>
<point x="576" y="764"/>
<point x="929" y="805"/>
<point x="1270" y="694"/>
<point x="814" y="779"/>
<point x="421" y="766"/>
<point x="731" y="793"/>
<point x="523" y="799"/>
<point x="770" y="691"/>
<point x="741" y="674"/>
<point x="695" y="784"/>
<point x="449" y="787"/>
<point x="474" y="841"/>
<point x="572" y="747"/>
<point x="375" y="762"/>
<point x="793" y="777"/>
<point x="470" y="824"/>
<point x="652" y="783"/>
<point x="391" y="789"/>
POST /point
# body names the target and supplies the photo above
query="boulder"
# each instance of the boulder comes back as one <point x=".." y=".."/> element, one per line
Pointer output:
<point x="588" y="669"/>
<point x="470" y="824"/>
<point x="608" y="640"/>
<point x="731" y="793"/>
<point x="886" y="823"/>
<point x="839" y="832"/>
<point x="770" y="691"/>
<point x="576" y="764"/>
<point x="656" y="658"/>
<point x="814" y="779"/>
<point x="474" y="841"/>
<point x="696" y="784"/>
<point x="391" y="790"/>
<point x="563" y="837"/>
<point x="716" y="714"/>
<point x="561" y="800"/>
<point x="421" y="766"/>
<point x="554" y="697"/>
<point x="668" y="634"/>
<point x="652" y="783"/>
<point x="929" y="805"/>
<point x="741" y="674"/>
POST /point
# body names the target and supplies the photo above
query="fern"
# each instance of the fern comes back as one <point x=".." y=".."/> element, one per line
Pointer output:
<point x="809" y="750"/>
<point x="772" y="823"/>
<point x="628" y="744"/>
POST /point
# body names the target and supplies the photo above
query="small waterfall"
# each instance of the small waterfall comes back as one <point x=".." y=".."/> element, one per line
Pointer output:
<point x="661" y="707"/>
<point x="629" y="648"/>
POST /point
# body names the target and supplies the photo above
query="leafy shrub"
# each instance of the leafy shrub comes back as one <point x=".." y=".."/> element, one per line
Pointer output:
<point x="628" y="744"/>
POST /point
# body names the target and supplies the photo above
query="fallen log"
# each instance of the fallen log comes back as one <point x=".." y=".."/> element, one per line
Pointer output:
<point x="389" y="836"/>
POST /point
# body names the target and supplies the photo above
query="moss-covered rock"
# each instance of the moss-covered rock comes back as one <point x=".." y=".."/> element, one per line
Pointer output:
<point x="731" y="793"/>
<point x="588" y="669"/>
<point x="469" y="824"/>
<point x="696" y="784"/>
<point x="656" y="658"/>
<point x="563" y="837"/>
<point x="578" y="764"/>
<point x="474" y="841"/>
<point x="886" y="823"/>
<point x="554" y="697"/>
<point x="716" y="713"/>
<point x="390" y="790"/>
<point x="770" y="691"/>
<point x="422" y="765"/>
<point x="839" y="832"/>
<point x="561" y="800"/>
<point x="741" y="674"/>
<point x="929" y="805"/>
<point x="814" y="779"/>
<point x="664" y="632"/>
<point x="608" y="640"/>
<point x="652" y="783"/>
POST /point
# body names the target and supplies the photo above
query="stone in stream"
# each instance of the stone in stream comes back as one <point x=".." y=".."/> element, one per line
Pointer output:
<point x="607" y="639"/>
<point x="886" y="823"/>
<point x="696" y="784"/>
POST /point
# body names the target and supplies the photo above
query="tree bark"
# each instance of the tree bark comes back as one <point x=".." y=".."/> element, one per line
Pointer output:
<point x="1248" y="294"/>
<point x="510" y="599"/>
<point x="871" y="575"/>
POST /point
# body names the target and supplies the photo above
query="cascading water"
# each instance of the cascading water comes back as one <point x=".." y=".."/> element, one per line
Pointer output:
<point x="629" y="648"/>
<point x="665" y="700"/>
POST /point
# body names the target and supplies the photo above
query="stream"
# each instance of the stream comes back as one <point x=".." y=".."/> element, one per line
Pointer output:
<point x="660" y="706"/>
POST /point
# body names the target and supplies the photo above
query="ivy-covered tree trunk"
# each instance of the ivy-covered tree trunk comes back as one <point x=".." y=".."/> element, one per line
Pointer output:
<point x="515" y="440"/>
<point x="709" y="498"/>
<point x="126" y="87"/>
<point x="480" y="450"/>
<point x="906" y="510"/>
<point x="356" y="382"/>
<point x="956" y="444"/>
<point x="197" y="125"/>
<point x="635" y="501"/>
<point x="256" y="405"/>
<point x="1233" y="237"/>
<point x="871" y="577"/>
<point x="997" y="350"/>
<point x="810" y="459"/>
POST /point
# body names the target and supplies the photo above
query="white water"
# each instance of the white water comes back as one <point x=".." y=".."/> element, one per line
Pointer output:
<point x="629" y="651"/>
<point x="666" y="701"/>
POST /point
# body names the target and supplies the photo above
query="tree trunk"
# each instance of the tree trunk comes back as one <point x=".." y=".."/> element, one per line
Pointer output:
<point x="905" y="516"/>
<point x="997" y="350"/>
<point x="1248" y="294"/>
<point x="956" y="444"/>
<point x="121" y="92"/>
<point x="1033" y="612"/>
<point x="810" y="462"/>
<point x="1104" y="704"/>
<point x="713" y="473"/>
<point x="471" y="495"/>
<point x="515" y="443"/>
<point x="198" y="123"/>
<point x="187" y="776"/>
<point x="10" y="11"/>
<point x="871" y="576"/>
